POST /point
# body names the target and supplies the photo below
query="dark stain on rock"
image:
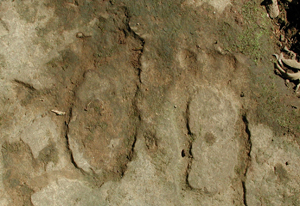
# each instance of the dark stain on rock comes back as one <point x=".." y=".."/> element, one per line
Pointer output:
<point x="210" y="138"/>
<point x="48" y="154"/>
<point x="281" y="172"/>
<point x="27" y="10"/>
<point x="17" y="158"/>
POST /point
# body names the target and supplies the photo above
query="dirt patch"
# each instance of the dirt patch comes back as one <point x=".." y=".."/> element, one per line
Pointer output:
<point x="18" y="166"/>
<point x="277" y="104"/>
<point x="156" y="93"/>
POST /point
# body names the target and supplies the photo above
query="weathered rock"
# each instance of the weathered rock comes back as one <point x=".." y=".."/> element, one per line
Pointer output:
<point x="272" y="178"/>
<point x="44" y="130"/>
<point x="101" y="130"/>
<point x="213" y="120"/>
<point x="66" y="192"/>
<point x="156" y="98"/>
<point x="273" y="9"/>
<point x="219" y="5"/>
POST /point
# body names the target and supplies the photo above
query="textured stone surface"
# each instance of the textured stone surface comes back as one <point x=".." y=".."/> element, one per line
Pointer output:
<point x="165" y="103"/>
<point x="213" y="120"/>
<point x="101" y="126"/>
<point x="66" y="192"/>
<point x="39" y="134"/>
<point x="218" y="5"/>
<point x="273" y="177"/>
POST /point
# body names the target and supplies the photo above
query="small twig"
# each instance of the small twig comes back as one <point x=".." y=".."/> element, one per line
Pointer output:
<point x="59" y="113"/>
<point x="81" y="35"/>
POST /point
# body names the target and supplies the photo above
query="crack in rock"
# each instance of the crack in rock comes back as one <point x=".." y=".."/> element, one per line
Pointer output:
<point x="248" y="160"/>
<point x="67" y="140"/>
<point x="191" y="139"/>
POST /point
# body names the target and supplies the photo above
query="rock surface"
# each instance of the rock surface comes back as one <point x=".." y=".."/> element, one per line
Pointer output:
<point x="164" y="103"/>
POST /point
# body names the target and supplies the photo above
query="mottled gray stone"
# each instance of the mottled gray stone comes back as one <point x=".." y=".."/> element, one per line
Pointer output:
<point x="39" y="134"/>
<point x="215" y="150"/>
<point x="273" y="177"/>
<point x="213" y="119"/>
<point x="219" y="5"/>
<point x="65" y="192"/>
